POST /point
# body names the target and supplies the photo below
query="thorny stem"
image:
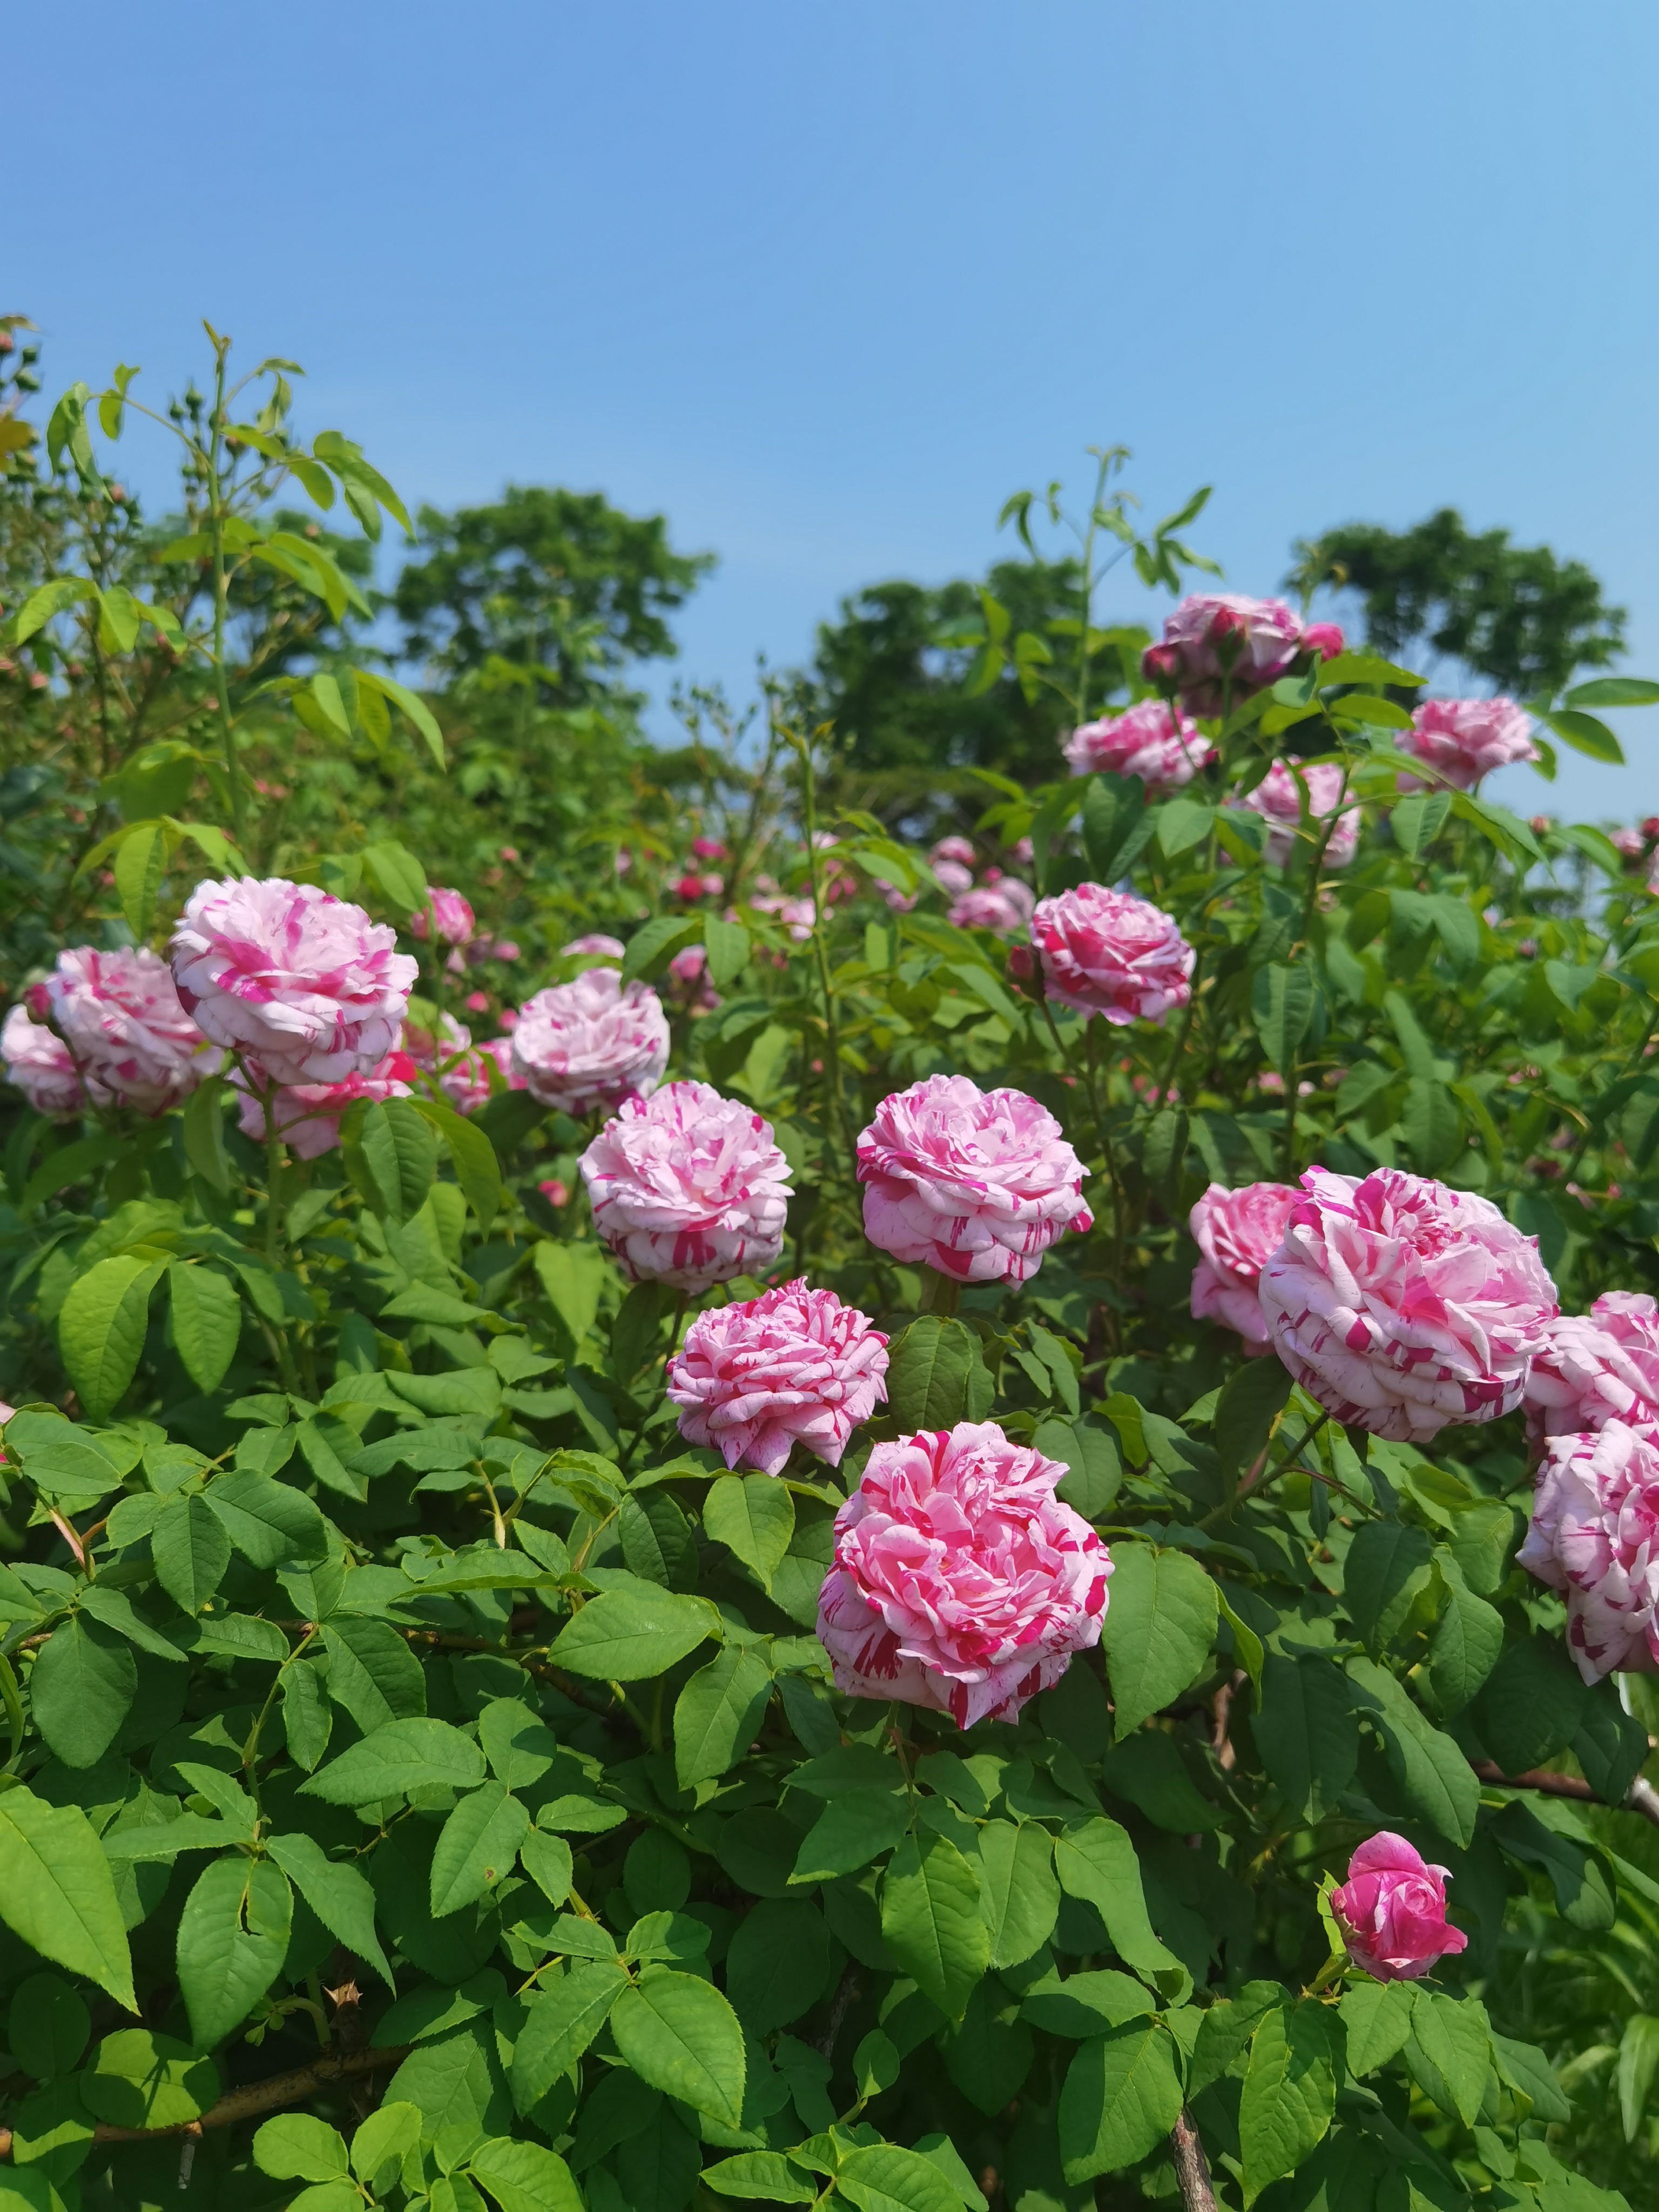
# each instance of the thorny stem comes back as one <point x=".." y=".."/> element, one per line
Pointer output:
<point x="1255" y="1481"/>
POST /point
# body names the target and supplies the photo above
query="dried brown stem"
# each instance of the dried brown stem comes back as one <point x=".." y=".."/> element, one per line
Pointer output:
<point x="1191" y="2167"/>
<point x="1643" y="1798"/>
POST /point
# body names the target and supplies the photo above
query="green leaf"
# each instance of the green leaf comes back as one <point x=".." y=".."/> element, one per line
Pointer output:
<point x="341" y="1897"/>
<point x="754" y="1516"/>
<point x="477" y="1169"/>
<point x="1417" y="820"/>
<point x="679" y="2034"/>
<point x="547" y="1859"/>
<point x="777" y="1963"/>
<point x="307" y="1716"/>
<point x="58" y="1893"/>
<point x="1306" y="1733"/>
<point x="1638" y="2056"/>
<point x="84" y="1681"/>
<point x="1282" y="1004"/>
<point x="1116" y="824"/>
<point x="371" y="1673"/>
<point x="1251" y="1400"/>
<point x="1388" y="1565"/>
<point x="1614" y="691"/>
<point x="765" y="2176"/>
<point x="1585" y="734"/>
<point x="934" y="1375"/>
<point x="233" y="1939"/>
<point x="401" y="878"/>
<point x="1453" y="2035"/>
<point x="1290" y="2092"/>
<point x="562" y="2023"/>
<point x="295" y="2147"/>
<point x="1097" y="1861"/>
<point x="1586" y="1893"/>
<point x="1526" y="2070"/>
<point x="628" y="1636"/>
<point x="653" y="945"/>
<point x="931" y="1923"/>
<point x="728" y="948"/>
<point x="1436" y="1778"/>
<point x="403" y="1756"/>
<point x="268" y="1522"/>
<point x="139" y="2080"/>
<point x="524" y="2177"/>
<point x="854" y="1827"/>
<point x="1183" y="824"/>
<point x="1376" y="2018"/>
<point x="140" y="870"/>
<point x="203" y="1126"/>
<point x="191" y="1550"/>
<point x="476" y="1847"/>
<point x="207" y="1322"/>
<point x="1120" y="2097"/>
<point x="1532" y="1704"/>
<point x="1465" y="1649"/>
<point x="58" y="1458"/>
<point x="49" y="2025"/>
<point x="718" y="1713"/>
<point x="391" y="1156"/>
<point x="390" y="2133"/>
<point x="412" y="705"/>
<point x="882" y="2178"/>
<point x="519" y="1745"/>
<point x="1021" y="1893"/>
<point x="1431" y="1123"/>
<point x="101" y="1328"/>
<point x="1161" y="1616"/>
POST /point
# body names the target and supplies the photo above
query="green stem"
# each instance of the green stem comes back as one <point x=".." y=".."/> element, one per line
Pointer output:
<point x="217" y="529"/>
<point x="837" y="1117"/>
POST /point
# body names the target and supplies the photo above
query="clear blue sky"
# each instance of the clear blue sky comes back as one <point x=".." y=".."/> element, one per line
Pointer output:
<point x="823" y="282"/>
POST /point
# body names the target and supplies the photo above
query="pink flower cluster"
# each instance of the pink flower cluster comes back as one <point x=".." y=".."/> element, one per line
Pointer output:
<point x="1111" y="953"/>
<point x="792" y="1366"/>
<point x="1392" y="1912"/>
<point x="1402" y="1305"/>
<point x="1154" y="740"/>
<point x="1595" y="1537"/>
<point x="1278" y="800"/>
<point x="303" y="985"/>
<point x="960" y="1582"/>
<point x="122" y="1028"/>
<point x="953" y="861"/>
<point x="687" y="1188"/>
<point x="38" y="1063"/>
<point x="309" y="1114"/>
<point x="1463" y="739"/>
<point x="976" y="1185"/>
<point x="1237" y="1232"/>
<point x="594" y="1042"/>
<point x="1221" y="647"/>
<point x="1598" y="1367"/>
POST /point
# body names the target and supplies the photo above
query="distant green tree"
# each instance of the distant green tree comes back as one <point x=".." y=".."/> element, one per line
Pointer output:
<point x="1514" y="615"/>
<point x="558" y="582"/>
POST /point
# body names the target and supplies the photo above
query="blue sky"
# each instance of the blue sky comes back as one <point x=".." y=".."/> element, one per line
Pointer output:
<point x="823" y="282"/>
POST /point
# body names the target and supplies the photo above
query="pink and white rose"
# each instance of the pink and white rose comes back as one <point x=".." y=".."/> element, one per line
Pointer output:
<point x="974" y="1184"/>
<point x="1595" y="1537"/>
<point x="126" y="1032"/>
<point x="1463" y="739"/>
<point x="792" y="1366"/>
<point x="1278" y="800"/>
<point x="309" y="1114"/>
<point x="591" y="1042"/>
<point x="960" y="1582"/>
<point x="454" y="919"/>
<point x="1237" y="1232"/>
<point x="1392" y="1912"/>
<point x="1223" y="646"/>
<point x="1598" y="1367"/>
<point x="38" y="1063"/>
<point x="1111" y="953"/>
<point x="596" y="944"/>
<point x="1403" y="1306"/>
<point x="1154" y="740"/>
<point x="687" y="1188"/>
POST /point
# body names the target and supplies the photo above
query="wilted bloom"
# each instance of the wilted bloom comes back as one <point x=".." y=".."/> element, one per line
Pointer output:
<point x="1238" y="1231"/>
<point x="119" y="1015"/>
<point x="596" y="943"/>
<point x="1597" y="1367"/>
<point x="960" y="1581"/>
<point x="1595" y="1537"/>
<point x="38" y="1064"/>
<point x="1002" y="904"/>
<point x="1154" y="740"/>
<point x="976" y="1184"/>
<point x="304" y="983"/>
<point x="309" y="1114"/>
<point x="689" y="1188"/>
<point x="454" y="918"/>
<point x="1222" y="645"/>
<point x="1392" y="1912"/>
<point x="1278" y="800"/>
<point x="1111" y="953"/>
<point x="1464" y="739"/>
<point x="794" y="1365"/>
<point x="1402" y="1305"/>
<point x="591" y="1042"/>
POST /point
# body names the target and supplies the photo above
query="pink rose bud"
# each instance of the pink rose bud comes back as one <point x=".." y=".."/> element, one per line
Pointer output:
<point x="1022" y="963"/>
<point x="1218" y="646"/>
<point x="309" y="1114"/>
<point x="712" y="885"/>
<point x="958" y="850"/>
<point x="1238" y="1231"/>
<point x="126" y="1032"/>
<point x="687" y="1188"/>
<point x="1594" y="1367"/>
<point x="477" y="1002"/>
<point x="961" y="1583"/>
<point x="1111" y="953"/>
<point x="1324" y="639"/>
<point x="591" y="1043"/>
<point x="1403" y="1306"/>
<point x="794" y="1366"/>
<point x="708" y="849"/>
<point x="509" y="852"/>
<point x="596" y="943"/>
<point x="1154" y="741"/>
<point x="303" y="982"/>
<point x="1595" y="1537"/>
<point x="505" y="949"/>
<point x="555" y="1193"/>
<point x="453" y="916"/>
<point x="1463" y="739"/>
<point x="1161" y="665"/>
<point x="1004" y="906"/>
<point x="38" y="1063"/>
<point x="1278" y="800"/>
<point x="974" y="1184"/>
<point x="1392" y="1912"/>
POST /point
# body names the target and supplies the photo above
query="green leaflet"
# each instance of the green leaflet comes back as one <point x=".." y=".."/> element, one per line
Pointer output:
<point x="232" y="1938"/>
<point x="628" y="1636"/>
<point x="681" y="2036"/>
<point x="1121" y="2095"/>
<point x="56" y="1891"/>
<point x="931" y="1922"/>
<point x="1159" y="1626"/>
<point x="1290" y="2091"/>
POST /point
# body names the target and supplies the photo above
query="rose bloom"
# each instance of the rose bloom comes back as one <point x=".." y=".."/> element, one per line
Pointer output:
<point x="1464" y="739"/>
<point x="687" y="1188"/>
<point x="1402" y="1305"/>
<point x="1001" y="903"/>
<point x="974" y="1184"/>
<point x="1392" y="1912"/>
<point x="304" y="983"/>
<point x="1237" y="1232"/>
<point x="799" y="915"/>
<point x="309" y="1114"/>
<point x="1597" y="1367"/>
<point x="38" y="1063"/>
<point x="591" y="1042"/>
<point x="473" y="1080"/>
<point x="127" y="1034"/>
<point x="1111" y="953"/>
<point x="1629" y="843"/>
<point x="454" y="918"/>
<point x="596" y="944"/>
<point x="1278" y="800"/>
<point x="959" y="849"/>
<point x="1595" y="1537"/>
<point x="794" y="1365"/>
<point x="953" y="878"/>
<point x="1221" y="646"/>
<point x="961" y="1582"/>
<point x="1155" y="741"/>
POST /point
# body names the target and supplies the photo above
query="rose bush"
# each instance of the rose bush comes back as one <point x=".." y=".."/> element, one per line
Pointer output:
<point x="846" y="1586"/>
